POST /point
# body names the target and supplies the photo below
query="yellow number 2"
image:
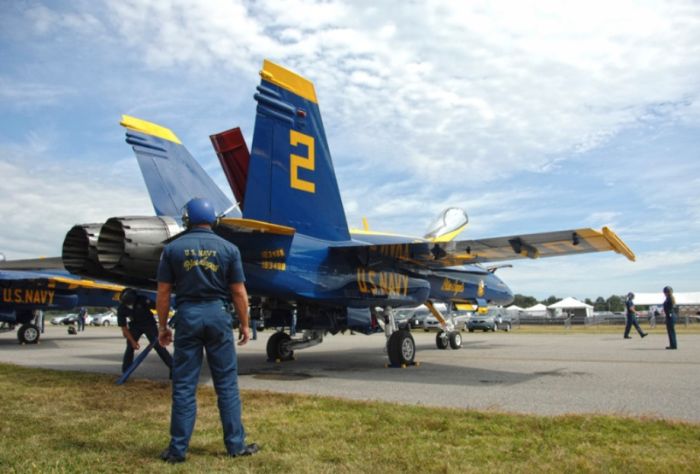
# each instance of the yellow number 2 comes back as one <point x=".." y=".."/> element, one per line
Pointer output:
<point x="306" y="162"/>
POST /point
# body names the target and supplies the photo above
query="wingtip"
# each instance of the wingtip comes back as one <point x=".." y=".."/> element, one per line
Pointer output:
<point x="149" y="128"/>
<point x="618" y="245"/>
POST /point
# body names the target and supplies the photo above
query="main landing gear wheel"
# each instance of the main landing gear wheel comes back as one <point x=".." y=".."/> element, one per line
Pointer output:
<point x="441" y="340"/>
<point x="455" y="340"/>
<point x="277" y="349"/>
<point x="28" y="334"/>
<point x="401" y="348"/>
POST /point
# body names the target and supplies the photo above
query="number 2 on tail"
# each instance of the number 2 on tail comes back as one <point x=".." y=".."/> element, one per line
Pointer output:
<point x="297" y="161"/>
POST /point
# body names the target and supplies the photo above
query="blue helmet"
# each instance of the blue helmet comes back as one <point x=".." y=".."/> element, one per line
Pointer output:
<point x="199" y="211"/>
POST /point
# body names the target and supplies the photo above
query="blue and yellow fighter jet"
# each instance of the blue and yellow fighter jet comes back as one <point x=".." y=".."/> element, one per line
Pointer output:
<point x="27" y="286"/>
<point x="301" y="260"/>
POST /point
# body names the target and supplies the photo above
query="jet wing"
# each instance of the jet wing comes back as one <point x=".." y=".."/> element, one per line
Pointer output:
<point x="51" y="287"/>
<point x="496" y="249"/>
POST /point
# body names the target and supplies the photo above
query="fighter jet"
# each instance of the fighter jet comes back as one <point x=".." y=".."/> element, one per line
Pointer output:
<point x="301" y="260"/>
<point x="27" y="286"/>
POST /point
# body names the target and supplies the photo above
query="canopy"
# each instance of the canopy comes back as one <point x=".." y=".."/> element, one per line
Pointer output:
<point x="537" y="307"/>
<point x="569" y="303"/>
<point x="514" y="307"/>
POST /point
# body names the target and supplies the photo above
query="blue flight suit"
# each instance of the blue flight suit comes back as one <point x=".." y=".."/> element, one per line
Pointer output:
<point x="202" y="266"/>
<point x="140" y="322"/>
<point x="82" y="315"/>
<point x="632" y="320"/>
<point x="670" y="311"/>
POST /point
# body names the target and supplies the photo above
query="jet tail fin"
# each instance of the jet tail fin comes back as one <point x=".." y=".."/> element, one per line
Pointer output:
<point x="172" y="175"/>
<point x="291" y="181"/>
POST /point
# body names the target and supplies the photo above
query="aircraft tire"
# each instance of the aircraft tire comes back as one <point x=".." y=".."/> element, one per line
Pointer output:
<point x="455" y="340"/>
<point x="441" y="340"/>
<point x="106" y="324"/>
<point x="402" y="348"/>
<point x="276" y="349"/>
<point x="28" y="334"/>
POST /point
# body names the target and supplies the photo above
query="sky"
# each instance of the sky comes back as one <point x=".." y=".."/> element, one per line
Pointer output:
<point x="531" y="116"/>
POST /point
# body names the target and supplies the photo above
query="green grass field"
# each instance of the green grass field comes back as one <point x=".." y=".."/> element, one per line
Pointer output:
<point x="77" y="422"/>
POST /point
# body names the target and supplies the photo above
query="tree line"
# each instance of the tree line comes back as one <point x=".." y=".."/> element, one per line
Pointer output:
<point x="611" y="303"/>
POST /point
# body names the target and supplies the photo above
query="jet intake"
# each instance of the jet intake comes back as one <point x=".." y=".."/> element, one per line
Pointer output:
<point x="131" y="246"/>
<point x="80" y="250"/>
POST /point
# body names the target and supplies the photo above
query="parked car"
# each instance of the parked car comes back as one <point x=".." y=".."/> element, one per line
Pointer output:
<point x="108" y="318"/>
<point x="495" y="318"/>
<point x="66" y="319"/>
<point x="459" y="319"/>
<point x="419" y="315"/>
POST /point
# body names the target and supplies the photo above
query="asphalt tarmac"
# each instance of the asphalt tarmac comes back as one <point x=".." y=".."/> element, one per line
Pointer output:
<point x="546" y="374"/>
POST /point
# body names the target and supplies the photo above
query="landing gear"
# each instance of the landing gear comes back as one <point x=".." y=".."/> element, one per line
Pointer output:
<point x="278" y="347"/>
<point x="452" y="339"/>
<point x="28" y="334"/>
<point x="401" y="348"/>
<point x="281" y="346"/>
<point x="441" y="340"/>
<point x="455" y="340"/>
<point x="448" y="335"/>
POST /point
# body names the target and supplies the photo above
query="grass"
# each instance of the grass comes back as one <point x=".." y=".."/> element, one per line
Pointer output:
<point x="77" y="422"/>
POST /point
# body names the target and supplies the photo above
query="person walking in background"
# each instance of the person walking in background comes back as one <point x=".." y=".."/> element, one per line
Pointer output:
<point x="82" y="316"/>
<point x="631" y="314"/>
<point x="671" y="315"/>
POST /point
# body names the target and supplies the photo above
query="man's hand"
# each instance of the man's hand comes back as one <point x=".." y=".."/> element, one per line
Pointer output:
<point x="135" y="345"/>
<point x="244" y="335"/>
<point x="165" y="336"/>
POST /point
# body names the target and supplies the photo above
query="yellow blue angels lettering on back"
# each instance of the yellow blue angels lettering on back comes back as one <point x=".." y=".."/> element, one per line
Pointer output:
<point x="296" y="161"/>
<point x="200" y="258"/>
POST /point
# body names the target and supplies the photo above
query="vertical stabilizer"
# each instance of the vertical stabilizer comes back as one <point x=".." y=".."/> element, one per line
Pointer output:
<point x="234" y="158"/>
<point x="291" y="180"/>
<point x="172" y="175"/>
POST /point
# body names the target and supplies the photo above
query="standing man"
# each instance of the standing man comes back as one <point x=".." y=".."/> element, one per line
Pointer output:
<point x="671" y="315"/>
<point x="205" y="271"/>
<point x="631" y="314"/>
<point x="137" y="310"/>
<point x="82" y="316"/>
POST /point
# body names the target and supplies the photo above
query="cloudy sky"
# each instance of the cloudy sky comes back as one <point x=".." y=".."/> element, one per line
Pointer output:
<point x="532" y="116"/>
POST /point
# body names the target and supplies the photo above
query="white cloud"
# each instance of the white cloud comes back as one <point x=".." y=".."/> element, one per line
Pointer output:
<point x="44" y="198"/>
<point x="28" y="94"/>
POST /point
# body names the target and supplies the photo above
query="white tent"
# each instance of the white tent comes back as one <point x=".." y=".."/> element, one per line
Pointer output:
<point x="514" y="307"/>
<point x="537" y="310"/>
<point x="571" y="306"/>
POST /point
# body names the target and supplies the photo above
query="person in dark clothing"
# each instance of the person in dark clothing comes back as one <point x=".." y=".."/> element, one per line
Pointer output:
<point x="631" y="314"/>
<point x="82" y="316"/>
<point x="205" y="272"/>
<point x="137" y="310"/>
<point x="671" y="313"/>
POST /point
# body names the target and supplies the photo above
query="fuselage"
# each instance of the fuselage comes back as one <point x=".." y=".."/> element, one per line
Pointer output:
<point x="317" y="270"/>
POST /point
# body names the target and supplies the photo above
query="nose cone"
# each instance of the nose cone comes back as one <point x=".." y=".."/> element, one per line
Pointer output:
<point x="500" y="293"/>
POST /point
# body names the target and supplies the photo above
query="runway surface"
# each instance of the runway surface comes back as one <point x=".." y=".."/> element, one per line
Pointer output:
<point x="544" y="374"/>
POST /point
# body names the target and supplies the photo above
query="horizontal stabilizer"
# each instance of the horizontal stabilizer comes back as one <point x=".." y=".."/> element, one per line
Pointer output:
<point x="172" y="175"/>
<point x="265" y="243"/>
